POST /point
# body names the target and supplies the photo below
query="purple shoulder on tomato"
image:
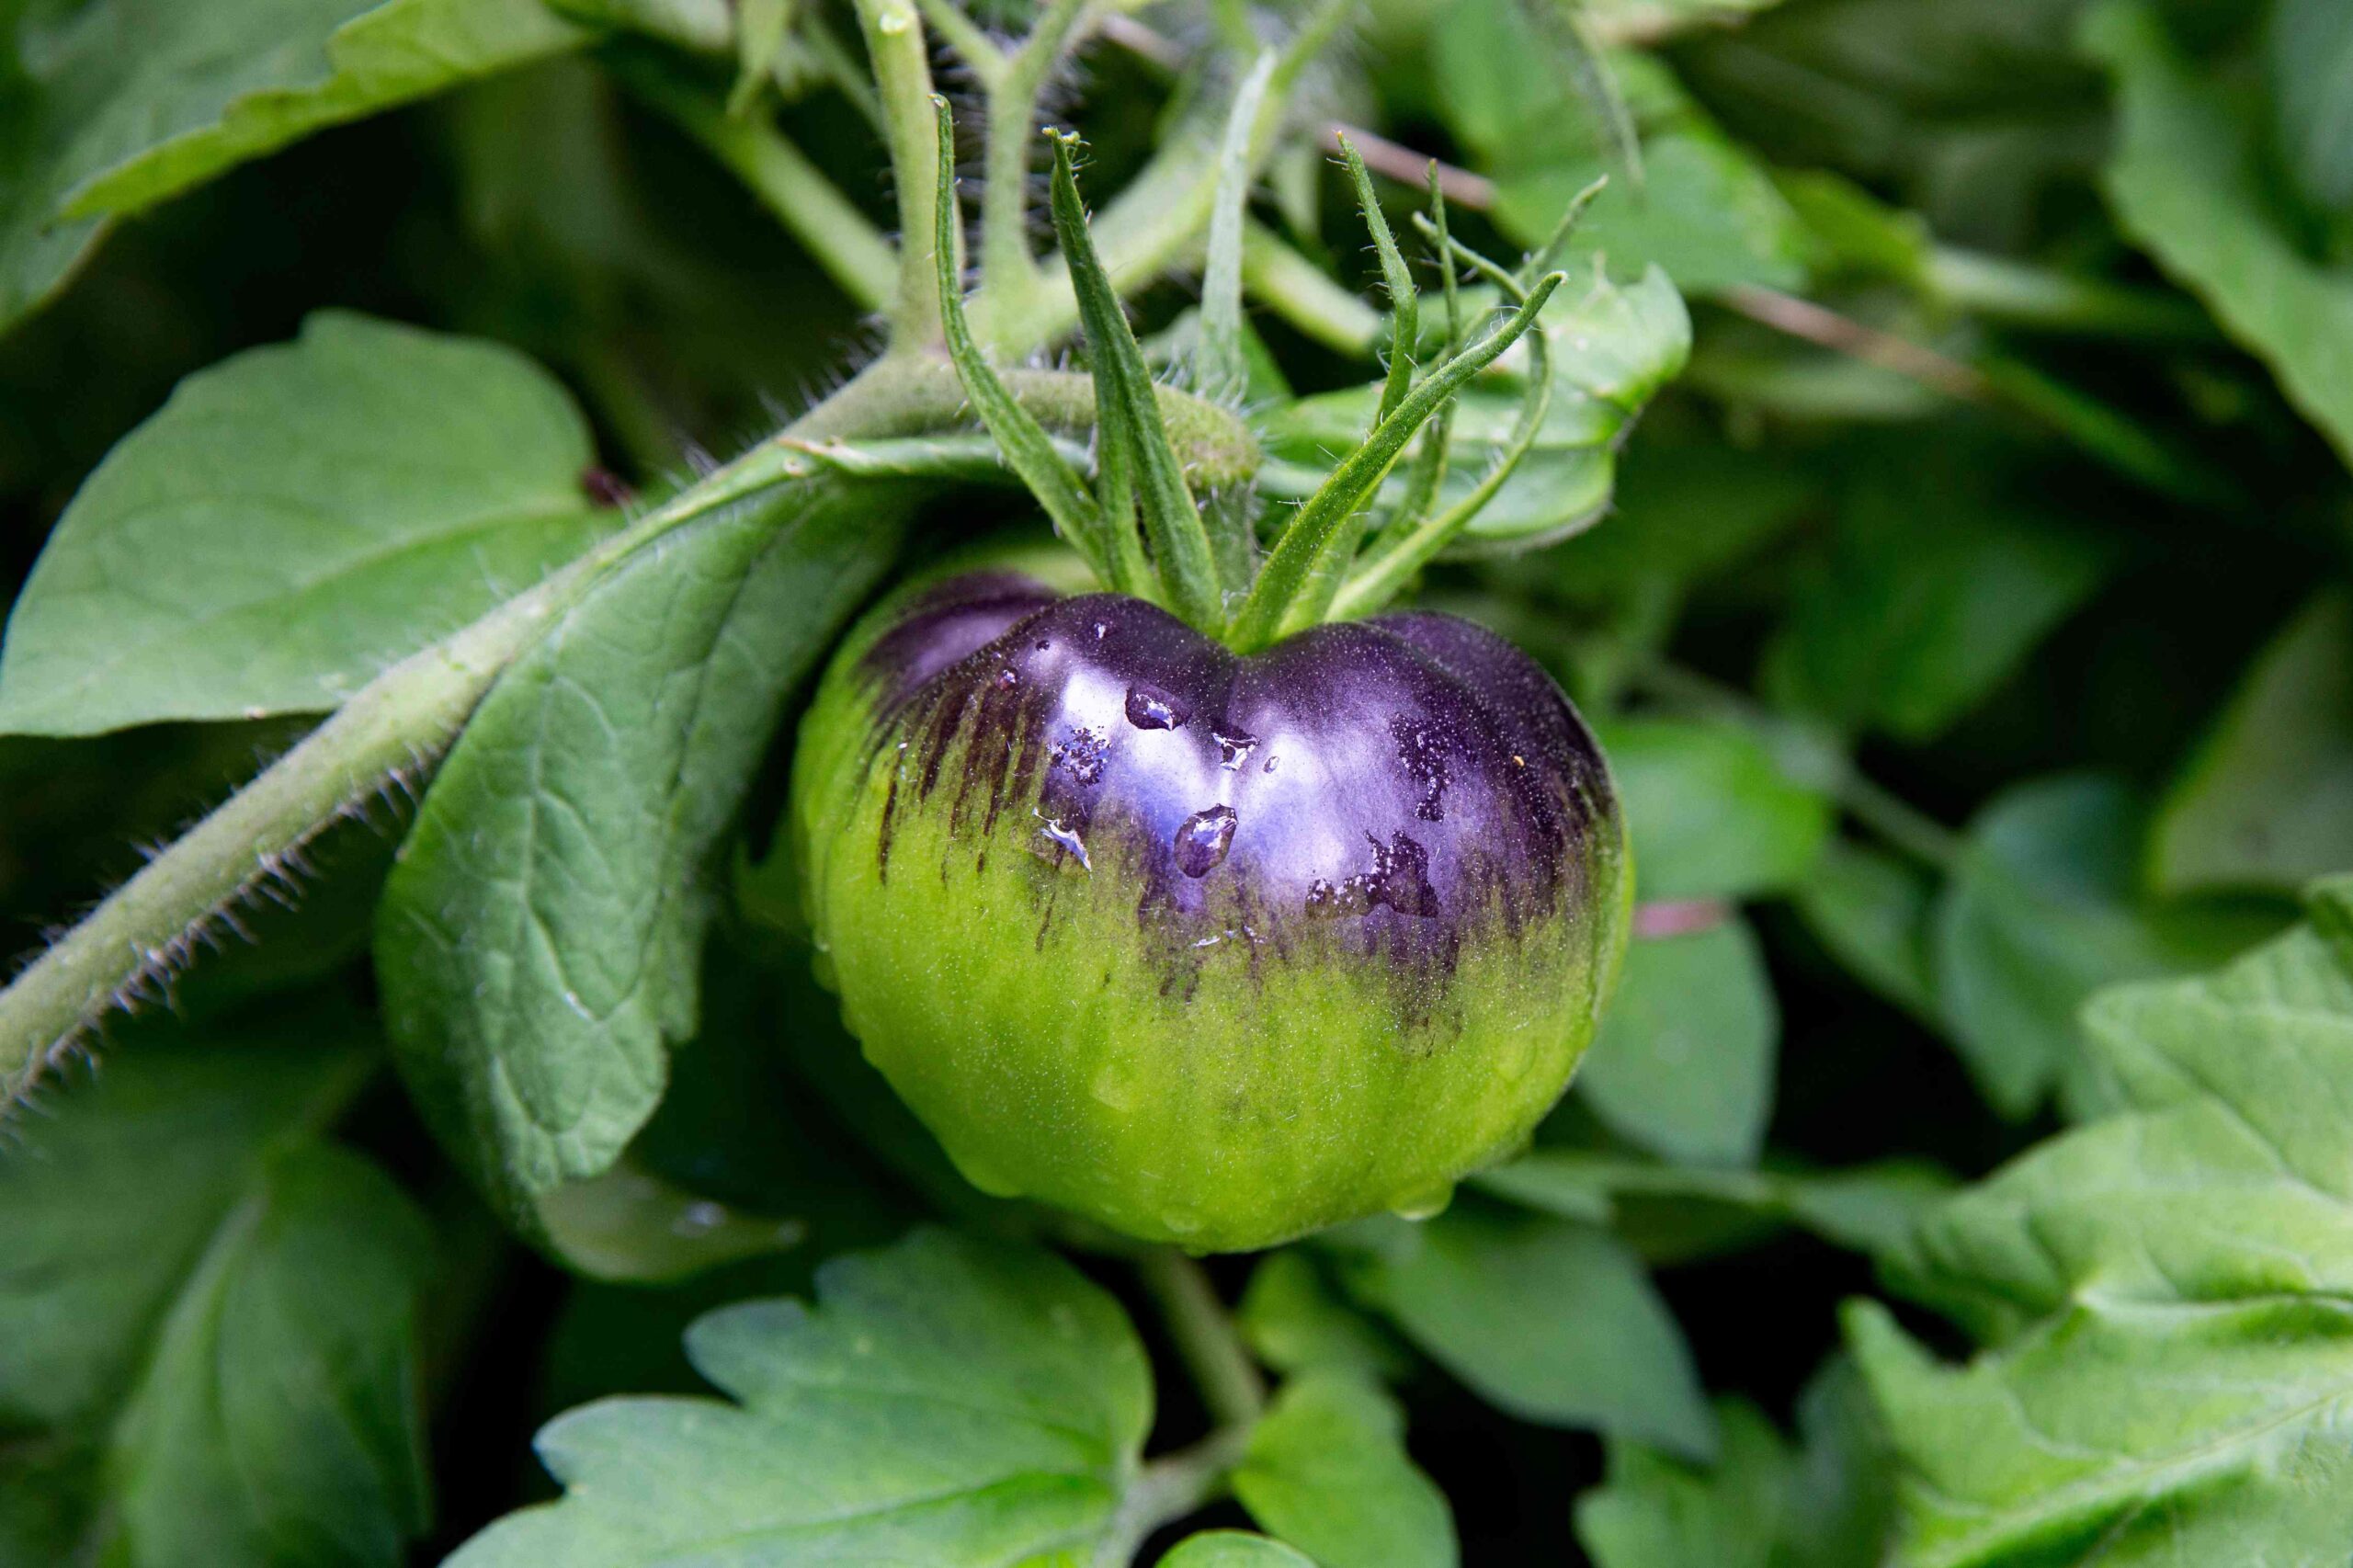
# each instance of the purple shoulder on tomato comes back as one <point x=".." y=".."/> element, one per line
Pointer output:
<point x="1414" y="771"/>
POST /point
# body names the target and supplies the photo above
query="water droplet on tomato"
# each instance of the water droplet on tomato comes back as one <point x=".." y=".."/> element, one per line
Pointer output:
<point x="1234" y="750"/>
<point x="1152" y="709"/>
<point x="1425" y="1205"/>
<point x="1202" y="840"/>
<point x="1007" y="679"/>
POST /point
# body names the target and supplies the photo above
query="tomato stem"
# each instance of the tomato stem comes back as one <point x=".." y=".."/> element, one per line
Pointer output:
<point x="1205" y="1334"/>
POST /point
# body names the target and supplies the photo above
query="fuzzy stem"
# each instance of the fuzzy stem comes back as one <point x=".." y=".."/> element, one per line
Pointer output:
<point x="1205" y="1335"/>
<point x="1006" y="266"/>
<point x="836" y="234"/>
<point x="1159" y="218"/>
<point x="894" y="40"/>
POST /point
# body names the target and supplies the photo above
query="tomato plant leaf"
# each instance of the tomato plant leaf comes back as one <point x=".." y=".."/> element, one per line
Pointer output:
<point x="1871" y="910"/>
<point x="1938" y="582"/>
<point x="318" y="511"/>
<point x="2165" y="1379"/>
<point x="215" y="1311"/>
<point x="2263" y="803"/>
<point x="1297" y="1324"/>
<point x="538" y="944"/>
<point x="2042" y="912"/>
<point x="1233" y="1549"/>
<point x="946" y="1400"/>
<point x="1825" y="1504"/>
<point x="1670" y="1212"/>
<point x="1326" y="1471"/>
<point x="2184" y="180"/>
<point x="279" y="1420"/>
<point x="1549" y="1320"/>
<point x="119" y="103"/>
<point x="1684" y="1062"/>
<point x="2310" y="61"/>
<point x="1711" y="813"/>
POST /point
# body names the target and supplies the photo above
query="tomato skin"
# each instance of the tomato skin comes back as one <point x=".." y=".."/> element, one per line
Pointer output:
<point x="1215" y="950"/>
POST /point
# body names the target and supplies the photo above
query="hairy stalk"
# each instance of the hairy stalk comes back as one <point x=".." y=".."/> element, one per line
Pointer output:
<point x="1007" y="266"/>
<point x="835" y="233"/>
<point x="1404" y="300"/>
<point x="894" y="40"/>
<point x="1182" y="555"/>
<point x="398" y="725"/>
<point x="1158" y="218"/>
<point x="1055" y="481"/>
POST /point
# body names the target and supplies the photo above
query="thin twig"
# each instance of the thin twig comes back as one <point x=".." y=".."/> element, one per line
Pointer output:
<point x="1396" y="160"/>
<point x="1844" y="335"/>
<point x="1205" y="1335"/>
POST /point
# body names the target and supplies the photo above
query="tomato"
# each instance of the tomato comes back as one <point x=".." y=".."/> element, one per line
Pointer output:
<point x="1215" y="950"/>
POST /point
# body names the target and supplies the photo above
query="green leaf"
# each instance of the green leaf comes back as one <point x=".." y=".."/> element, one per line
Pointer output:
<point x="2262" y="804"/>
<point x="2310" y="61"/>
<point x="1664" y="1209"/>
<point x="538" y="941"/>
<point x="1297" y="1324"/>
<point x="2168" y="1379"/>
<point x="280" y="1420"/>
<point x="116" y="104"/>
<point x="1612" y="347"/>
<point x="1828" y="1504"/>
<point x="1685" y="510"/>
<point x="945" y="1401"/>
<point x="212" y="1316"/>
<point x="2186" y="182"/>
<point x="1871" y="910"/>
<point x="1711" y="813"/>
<point x="1942" y="577"/>
<point x="1657" y="1511"/>
<point x="1548" y="1320"/>
<point x="293" y="521"/>
<point x="1233" y="1548"/>
<point x="1326" y="1471"/>
<point x="2042" y="912"/>
<point x="1684" y="1062"/>
<point x="628" y="1224"/>
<point x="1706" y="214"/>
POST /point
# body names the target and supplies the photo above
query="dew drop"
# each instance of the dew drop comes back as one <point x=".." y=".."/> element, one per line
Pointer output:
<point x="1425" y="1205"/>
<point x="1234" y="750"/>
<point x="1270" y="763"/>
<point x="1102" y="630"/>
<point x="1064" y="839"/>
<point x="1007" y="679"/>
<point x="1202" y="840"/>
<point x="1152" y="709"/>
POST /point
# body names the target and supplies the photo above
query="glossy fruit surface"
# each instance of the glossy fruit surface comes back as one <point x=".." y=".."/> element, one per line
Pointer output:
<point x="1214" y="949"/>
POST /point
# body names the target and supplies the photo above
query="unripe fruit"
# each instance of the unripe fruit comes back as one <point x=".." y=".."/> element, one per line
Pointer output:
<point x="1214" y="949"/>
